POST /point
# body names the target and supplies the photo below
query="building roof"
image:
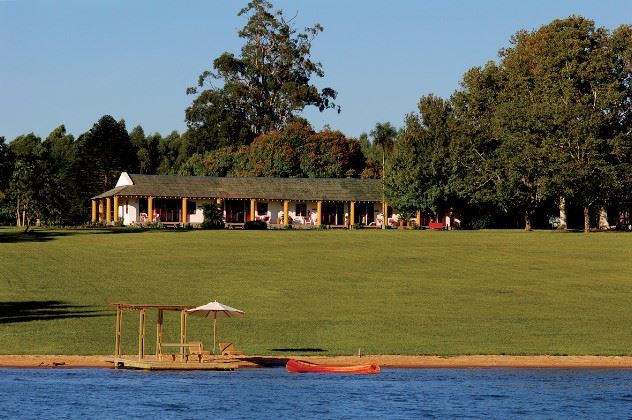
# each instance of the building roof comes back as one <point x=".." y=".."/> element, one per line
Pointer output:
<point x="296" y="189"/>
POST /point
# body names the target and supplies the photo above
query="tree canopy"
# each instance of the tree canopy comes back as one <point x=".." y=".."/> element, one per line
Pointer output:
<point x="262" y="88"/>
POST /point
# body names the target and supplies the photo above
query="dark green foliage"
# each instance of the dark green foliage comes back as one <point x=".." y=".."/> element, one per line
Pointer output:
<point x="147" y="150"/>
<point x="34" y="192"/>
<point x="296" y="151"/>
<point x="102" y="153"/>
<point x="255" y="225"/>
<point x="262" y="89"/>
<point x="213" y="216"/>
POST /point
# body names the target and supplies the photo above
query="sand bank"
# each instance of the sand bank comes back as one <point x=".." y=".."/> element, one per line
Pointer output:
<point x="387" y="361"/>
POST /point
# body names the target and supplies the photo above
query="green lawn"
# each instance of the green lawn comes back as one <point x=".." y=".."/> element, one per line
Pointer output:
<point x="324" y="292"/>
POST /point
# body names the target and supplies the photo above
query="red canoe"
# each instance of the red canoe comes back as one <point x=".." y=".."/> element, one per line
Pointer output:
<point x="299" y="366"/>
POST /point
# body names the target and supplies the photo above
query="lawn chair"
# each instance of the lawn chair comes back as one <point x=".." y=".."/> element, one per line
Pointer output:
<point x="228" y="349"/>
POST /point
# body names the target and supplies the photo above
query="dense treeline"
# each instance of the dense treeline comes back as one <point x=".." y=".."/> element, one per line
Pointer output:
<point x="53" y="180"/>
<point x="545" y="131"/>
<point x="547" y="127"/>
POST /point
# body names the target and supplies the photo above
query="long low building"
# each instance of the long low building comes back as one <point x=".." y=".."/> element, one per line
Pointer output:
<point x="138" y="199"/>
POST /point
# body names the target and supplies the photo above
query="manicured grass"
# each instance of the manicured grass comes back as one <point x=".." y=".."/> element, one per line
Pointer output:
<point x="324" y="292"/>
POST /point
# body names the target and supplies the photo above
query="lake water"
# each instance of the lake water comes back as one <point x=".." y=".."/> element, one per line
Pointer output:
<point x="274" y="393"/>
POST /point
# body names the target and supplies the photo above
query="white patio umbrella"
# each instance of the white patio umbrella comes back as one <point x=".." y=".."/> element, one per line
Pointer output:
<point x="213" y="310"/>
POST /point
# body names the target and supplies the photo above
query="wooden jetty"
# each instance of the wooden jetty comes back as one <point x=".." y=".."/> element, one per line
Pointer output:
<point x="152" y="364"/>
<point x="191" y="355"/>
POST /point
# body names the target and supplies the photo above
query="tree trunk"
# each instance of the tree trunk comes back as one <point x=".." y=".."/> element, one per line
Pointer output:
<point x="603" y="219"/>
<point x="563" y="225"/>
<point x="527" y="222"/>
<point x="586" y="219"/>
<point x="18" y="223"/>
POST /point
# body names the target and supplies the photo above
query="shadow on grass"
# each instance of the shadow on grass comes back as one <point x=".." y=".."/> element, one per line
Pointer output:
<point x="32" y="236"/>
<point x="300" y="350"/>
<point x="44" y="310"/>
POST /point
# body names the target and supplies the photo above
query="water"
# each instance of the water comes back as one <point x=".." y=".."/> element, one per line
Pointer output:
<point x="274" y="393"/>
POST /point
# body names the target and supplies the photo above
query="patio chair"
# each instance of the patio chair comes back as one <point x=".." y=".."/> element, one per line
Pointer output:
<point x="228" y="349"/>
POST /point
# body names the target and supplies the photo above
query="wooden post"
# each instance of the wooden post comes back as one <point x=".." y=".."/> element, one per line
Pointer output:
<point x="108" y="210"/>
<point x="319" y="212"/>
<point x="116" y="206"/>
<point x="117" y="336"/>
<point x="141" y="334"/>
<point x="150" y="209"/>
<point x="286" y="212"/>
<point x="351" y="214"/>
<point x="184" y="211"/>
<point x="418" y="219"/>
<point x="159" y="335"/>
<point x="183" y="331"/>
<point x="253" y="207"/>
<point x="94" y="211"/>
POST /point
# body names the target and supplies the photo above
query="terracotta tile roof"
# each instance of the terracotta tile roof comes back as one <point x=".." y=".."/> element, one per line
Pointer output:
<point x="296" y="189"/>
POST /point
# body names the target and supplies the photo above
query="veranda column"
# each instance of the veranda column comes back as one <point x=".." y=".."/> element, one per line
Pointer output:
<point x="108" y="210"/>
<point x="286" y="214"/>
<point x="384" y="214"/>
<point x="319" y="212"/>
<point x="94" y="211"/>
<point x="253" y="205"/>
<point x="418" y="218"/>
<point x="351" y="214"/>
<point x="150" y="209"/>
<point x="101" y="207"/>
<point x="116" y="203"/>
<point x="184" y="210"/>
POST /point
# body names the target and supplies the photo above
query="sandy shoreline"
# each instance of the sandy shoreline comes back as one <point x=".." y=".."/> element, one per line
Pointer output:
<point x="387" y="361"/>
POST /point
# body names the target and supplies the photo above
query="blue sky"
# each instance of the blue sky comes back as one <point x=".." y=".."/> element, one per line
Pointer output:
<point x="72" y="61"/>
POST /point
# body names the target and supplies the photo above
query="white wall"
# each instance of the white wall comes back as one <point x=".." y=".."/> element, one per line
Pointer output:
<point x="131" y="215"/>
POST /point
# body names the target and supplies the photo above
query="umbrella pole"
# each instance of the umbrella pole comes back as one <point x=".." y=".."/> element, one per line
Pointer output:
<point x="214" y="327"/>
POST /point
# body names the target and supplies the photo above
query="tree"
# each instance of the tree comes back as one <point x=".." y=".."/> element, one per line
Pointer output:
<point x="404" y="181"/>
<point x="147" y="150"/>
<point x="6" y="169"/>
<point x="33" y="188"/>
<point x="572" y="100"/>
<point x="384" y="135"/>
<point x="263" y="88"/>
<point x="60" y="148"/>
<point x="103" y="153"/>
<point x="213" y="216"/>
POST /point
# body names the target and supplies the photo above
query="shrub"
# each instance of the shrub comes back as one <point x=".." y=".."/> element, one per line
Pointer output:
<point x="213" y="216"/>
<point x="255" y="225"/>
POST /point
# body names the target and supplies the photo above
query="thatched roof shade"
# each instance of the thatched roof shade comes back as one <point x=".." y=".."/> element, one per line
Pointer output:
<point x="296" y="189"/>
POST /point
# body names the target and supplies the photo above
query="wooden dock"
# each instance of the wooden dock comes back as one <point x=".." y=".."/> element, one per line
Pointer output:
<point x="152" y="364"/>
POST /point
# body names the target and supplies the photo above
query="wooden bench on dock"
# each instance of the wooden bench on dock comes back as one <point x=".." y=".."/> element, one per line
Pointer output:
<point x="193" y="348"/>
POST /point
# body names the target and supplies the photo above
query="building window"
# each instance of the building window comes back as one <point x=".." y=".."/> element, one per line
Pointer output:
<point x="191" y="207"/>
<point x="301" y="209"/>
<point x="262" y="209"/>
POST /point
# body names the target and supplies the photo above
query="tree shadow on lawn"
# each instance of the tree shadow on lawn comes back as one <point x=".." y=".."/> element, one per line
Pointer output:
<point x="31" y="236"/>
<point x="45" y="310"/>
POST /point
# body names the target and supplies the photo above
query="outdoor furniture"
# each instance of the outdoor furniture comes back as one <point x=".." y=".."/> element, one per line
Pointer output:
<point x="193" y="348"/>
<point x="435" y="225"/>
<point x="213" y="310"/>
<point x="228" y="349"/>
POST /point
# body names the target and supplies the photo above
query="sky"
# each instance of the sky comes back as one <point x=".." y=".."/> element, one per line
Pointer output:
<point x="72" y="61"/>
